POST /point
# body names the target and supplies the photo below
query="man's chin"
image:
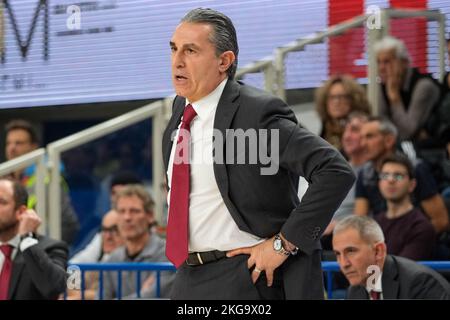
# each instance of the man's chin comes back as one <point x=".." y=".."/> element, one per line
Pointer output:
<point x="353" y="279"/>
<point x="6" y="227"/>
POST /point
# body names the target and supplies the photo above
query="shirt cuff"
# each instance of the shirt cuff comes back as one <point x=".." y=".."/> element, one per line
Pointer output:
<point x="27" y="242"/>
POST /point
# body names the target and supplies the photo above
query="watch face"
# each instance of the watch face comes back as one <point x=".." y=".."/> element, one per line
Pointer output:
<point x="277" y="245"/>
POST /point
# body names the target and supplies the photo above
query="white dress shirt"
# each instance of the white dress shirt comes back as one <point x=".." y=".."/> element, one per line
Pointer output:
<point x="378" y="287"/>
<point x="15" y="243"/>
<point x="211" y="226"/>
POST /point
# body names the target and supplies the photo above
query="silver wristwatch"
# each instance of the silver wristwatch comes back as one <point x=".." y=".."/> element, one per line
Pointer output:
<point x="278" y="246"/>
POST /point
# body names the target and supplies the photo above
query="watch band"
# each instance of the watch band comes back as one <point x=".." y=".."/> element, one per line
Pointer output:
<point x="291" y="252"/>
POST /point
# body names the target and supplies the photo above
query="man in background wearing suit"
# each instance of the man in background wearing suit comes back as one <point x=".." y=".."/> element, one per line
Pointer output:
<point x="358" y="242"/>
<point x="31" y="266"/>
<point x="236" y="228"/>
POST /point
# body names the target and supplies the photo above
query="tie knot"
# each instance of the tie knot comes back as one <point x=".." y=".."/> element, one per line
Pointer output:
<point x="189" y="114"/>
<point x="6" y="249"/>
<point x="375" y="295"/>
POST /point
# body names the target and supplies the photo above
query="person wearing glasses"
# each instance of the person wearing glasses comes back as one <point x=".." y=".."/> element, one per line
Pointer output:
<point x="104" y="243"/>
<point x="408" y="233"/>
<point x="98" y="250"/>
<point x="379" y="138"/>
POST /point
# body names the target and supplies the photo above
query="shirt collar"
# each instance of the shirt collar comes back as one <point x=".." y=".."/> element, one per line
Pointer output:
<point x="208" y="104"/>
<point x="378" y="286"/>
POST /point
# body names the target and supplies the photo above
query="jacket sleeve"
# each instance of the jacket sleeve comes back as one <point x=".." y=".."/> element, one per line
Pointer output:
<point x="47" y="268"/>
<point x="329" y="175"/>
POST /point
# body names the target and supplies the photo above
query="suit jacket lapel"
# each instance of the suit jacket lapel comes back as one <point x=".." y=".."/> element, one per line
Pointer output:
<point x="178" y="109"/>
<point x="225" y="113"/>
<point x="18" y="265"/>
<point x="226" y="109"/>
<point x="389" y="279"/>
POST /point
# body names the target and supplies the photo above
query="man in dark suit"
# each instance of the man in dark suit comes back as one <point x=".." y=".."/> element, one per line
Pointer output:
<point x="31" y="267"/>
<point x="236" y="228"/>
<point x="361" y="253"/>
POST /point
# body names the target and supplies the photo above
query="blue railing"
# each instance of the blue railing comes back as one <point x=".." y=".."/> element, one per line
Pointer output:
<point x="119" y="267"/>
<point x="328" y="267"/>
<point x="331" y="266"/>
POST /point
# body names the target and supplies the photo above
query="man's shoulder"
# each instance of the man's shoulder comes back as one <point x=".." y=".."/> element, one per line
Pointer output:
<point x="155" y="250"/>
<point x="418" y="216"/>
<point x="367" y="171"/>
<point x="421" y="280"/>
<point x="47" y="243"/>
<point x="409" y="270"/>
<point x="117" y="255"/>
<point x="248" y="92"/>
<point x="427" y="83"/>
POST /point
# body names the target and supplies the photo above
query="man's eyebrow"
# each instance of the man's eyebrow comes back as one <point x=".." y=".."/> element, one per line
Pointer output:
<point x="186" y="45"/>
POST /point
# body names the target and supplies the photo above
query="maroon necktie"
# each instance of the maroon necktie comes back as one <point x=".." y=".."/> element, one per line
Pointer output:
<point x="177" y="226"/>
<point x="375" y="295"/>
<point x="5" y="274"/>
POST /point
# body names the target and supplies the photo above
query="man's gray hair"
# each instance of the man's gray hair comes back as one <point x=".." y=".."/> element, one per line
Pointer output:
<point x="391" y="43"/>
<point x="139" y="191"/>
<point x="368" y="229"/>
<point x="224" y="35"/>
<point x="386" y="126"/>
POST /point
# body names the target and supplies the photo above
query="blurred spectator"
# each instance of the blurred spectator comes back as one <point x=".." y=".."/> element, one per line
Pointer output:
<point x="21" y="138"/>
<point x="104" y="242"/>
<point x="407" y="97"/>
<point x="338" y="96"/>
<point x="408" y="232"/>
<point x="98" y="250"/>
<point x="110" y="186"/>
<point x="113" y="184"/>
<point x="373" y="274"/>
<point x="445" y="92"/>
<point x="32" y="267"/>
<point x="379" y="139"/>
<point x="353" y="150"/>
<point x="135" y="208"/>
<point x="119" y="181"/>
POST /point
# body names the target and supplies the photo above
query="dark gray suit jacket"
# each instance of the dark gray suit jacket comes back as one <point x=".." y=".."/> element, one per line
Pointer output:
<point x="405" y="279"/>
<point x="39" y="273"/>
<point x="266" y="204"/>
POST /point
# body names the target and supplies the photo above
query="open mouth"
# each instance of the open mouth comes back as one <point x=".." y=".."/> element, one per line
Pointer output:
<point x="178" y="77"/>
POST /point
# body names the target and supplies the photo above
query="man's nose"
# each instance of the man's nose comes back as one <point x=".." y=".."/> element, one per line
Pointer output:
<point x="127" y="215"/>
<point x="344" y="261"/>
<point x="177" y="60"/>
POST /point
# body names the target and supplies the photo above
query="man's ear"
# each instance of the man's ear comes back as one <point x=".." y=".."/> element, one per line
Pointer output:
<point x="380" y="252"/>
<point x="226" y="60"/>
<point x="150" y="218"/>
<point x="34" y="145"/>
<point x="20" y="210"/>
<point x="389" y="141"/>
